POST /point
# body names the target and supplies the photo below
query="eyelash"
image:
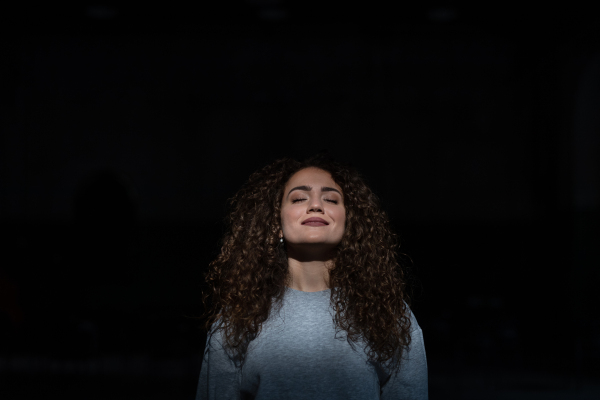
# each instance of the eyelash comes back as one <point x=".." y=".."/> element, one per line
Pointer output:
<point x="329" y="200"/>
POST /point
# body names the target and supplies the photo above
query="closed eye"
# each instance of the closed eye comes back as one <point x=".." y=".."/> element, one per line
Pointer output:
<point x="327" y="200"/>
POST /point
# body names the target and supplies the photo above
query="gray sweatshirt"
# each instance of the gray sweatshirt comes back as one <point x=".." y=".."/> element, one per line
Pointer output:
<point x="299" y="355"/>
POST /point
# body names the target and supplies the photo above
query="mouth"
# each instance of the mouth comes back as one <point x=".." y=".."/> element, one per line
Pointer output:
<point x="314" y="221"/>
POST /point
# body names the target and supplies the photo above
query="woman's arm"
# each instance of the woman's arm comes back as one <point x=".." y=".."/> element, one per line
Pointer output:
<point x="411" y="381"/>
<point x="219" y="377"/>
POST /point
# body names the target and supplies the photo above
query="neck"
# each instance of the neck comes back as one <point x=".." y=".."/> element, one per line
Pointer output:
<point x="308" y="273"/>
<point x="311" y="276"/>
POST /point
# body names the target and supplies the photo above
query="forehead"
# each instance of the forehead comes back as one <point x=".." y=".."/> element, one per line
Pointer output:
<point x="313" y="177"/>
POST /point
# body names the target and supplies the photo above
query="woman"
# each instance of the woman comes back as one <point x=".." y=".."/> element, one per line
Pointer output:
<point x="308" y="300"/>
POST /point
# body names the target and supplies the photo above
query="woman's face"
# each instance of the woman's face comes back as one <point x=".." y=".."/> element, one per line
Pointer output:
<point x="312" y="209"/>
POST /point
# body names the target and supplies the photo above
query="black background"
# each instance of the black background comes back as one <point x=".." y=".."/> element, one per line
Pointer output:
<point x="125" y="129"/>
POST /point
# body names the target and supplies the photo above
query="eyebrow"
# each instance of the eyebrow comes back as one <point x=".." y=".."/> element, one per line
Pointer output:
<point x="308" y="189"/>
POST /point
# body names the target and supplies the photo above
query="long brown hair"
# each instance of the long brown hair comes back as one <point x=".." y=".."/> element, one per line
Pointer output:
<point x="249" y="276"/>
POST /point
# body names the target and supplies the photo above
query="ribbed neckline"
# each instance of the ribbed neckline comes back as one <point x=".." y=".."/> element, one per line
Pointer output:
<point x="302" y="293"/>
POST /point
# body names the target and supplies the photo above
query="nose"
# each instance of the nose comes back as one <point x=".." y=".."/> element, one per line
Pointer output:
<point x="315" y="205"/>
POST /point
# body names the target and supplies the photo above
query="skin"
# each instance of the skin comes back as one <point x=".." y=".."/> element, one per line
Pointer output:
<point x="311" y="193"/>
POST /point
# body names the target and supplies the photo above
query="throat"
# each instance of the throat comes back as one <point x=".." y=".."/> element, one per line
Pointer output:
<point x="309" y="276"/>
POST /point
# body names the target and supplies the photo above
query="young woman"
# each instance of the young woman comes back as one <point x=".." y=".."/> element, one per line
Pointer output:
<point x="307" y="300"/>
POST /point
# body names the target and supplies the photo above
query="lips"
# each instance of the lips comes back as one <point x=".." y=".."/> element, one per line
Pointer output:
<point x="315" y="221"/>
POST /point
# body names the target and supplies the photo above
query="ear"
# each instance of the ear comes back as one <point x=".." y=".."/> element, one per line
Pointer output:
<point x="280" y="234"/>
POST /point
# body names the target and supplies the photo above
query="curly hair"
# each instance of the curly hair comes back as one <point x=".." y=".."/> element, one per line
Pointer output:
<point x="249" y="276"/>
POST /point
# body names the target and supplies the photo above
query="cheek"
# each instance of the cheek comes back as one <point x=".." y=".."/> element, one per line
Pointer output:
<point x="341" y="219"/>
<point x="288" y="216"/>
<point x="284" y="219"/>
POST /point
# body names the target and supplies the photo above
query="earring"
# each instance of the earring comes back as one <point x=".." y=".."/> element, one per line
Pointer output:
<point x="281" y="240"/>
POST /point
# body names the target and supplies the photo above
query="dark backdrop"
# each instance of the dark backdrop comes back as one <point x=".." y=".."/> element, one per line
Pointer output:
<point x="126" y="129"/>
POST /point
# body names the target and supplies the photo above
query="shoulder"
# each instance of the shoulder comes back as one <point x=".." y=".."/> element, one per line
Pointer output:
<point x="414" y="325"/>
<point x="215" y="336"/>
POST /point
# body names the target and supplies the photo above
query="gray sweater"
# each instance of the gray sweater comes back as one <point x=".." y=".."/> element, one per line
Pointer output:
<point x="298" y="355"/>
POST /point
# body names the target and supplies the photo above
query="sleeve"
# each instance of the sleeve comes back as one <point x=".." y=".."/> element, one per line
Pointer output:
<point x="219" y="375"/>
<point x="410" y="382"/>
